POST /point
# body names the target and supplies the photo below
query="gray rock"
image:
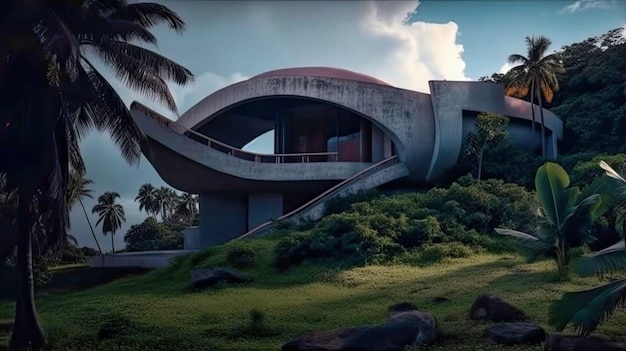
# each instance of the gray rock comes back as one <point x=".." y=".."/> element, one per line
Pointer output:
<point x="208" y="277"/>
<point x="412" y="328"/>
<point x="555" y="342"/>
<point x="495" y="309"/>
<point x="516" y="333"/>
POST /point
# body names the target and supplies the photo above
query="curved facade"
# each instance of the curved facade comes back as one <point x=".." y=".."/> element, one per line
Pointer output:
<point x="329" y="124"/>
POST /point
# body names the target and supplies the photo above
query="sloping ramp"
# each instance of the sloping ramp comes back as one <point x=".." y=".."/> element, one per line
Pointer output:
<point x="378" y="174"/>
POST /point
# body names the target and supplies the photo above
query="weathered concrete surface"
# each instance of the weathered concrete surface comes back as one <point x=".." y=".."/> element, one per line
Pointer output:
<point x="189" y="165"/>
<point x="262" y="207"/>
<point x="223" y="216"/>
<point x="403" y="115"/>
<point x="449" y="99"/>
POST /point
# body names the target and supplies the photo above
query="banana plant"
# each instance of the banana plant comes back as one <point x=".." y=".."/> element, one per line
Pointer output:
<point x="565" y="216"/>
<point x="585" y="310"/>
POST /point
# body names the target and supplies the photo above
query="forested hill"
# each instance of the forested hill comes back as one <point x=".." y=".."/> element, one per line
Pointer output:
<point x="592" y="98"/>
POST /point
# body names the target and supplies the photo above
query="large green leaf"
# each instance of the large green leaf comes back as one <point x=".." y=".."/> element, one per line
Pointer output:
<point x="586" y="309"/>
<point x="529" y="241"/>
<point x="551" y="182"/>
<point x="576" y="225"/>
<point x="608" y="260"/>
<point x="605" y="188"/>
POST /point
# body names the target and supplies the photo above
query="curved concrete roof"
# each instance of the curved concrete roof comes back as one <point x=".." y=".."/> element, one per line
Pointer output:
<point x="326" y="72"/>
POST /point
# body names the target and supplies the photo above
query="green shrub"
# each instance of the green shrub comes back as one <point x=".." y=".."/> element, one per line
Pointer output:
<point x="387" y="226"/>
<point x="343" y="203"/>
<point x="240" y="256"/>
<point x="153" y="235"/>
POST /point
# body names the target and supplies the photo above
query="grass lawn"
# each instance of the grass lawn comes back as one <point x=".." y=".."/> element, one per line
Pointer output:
<point x="159" y="312"/>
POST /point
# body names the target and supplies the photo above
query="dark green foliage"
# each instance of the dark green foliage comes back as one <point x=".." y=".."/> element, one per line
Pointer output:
<point x="240" y="256"/>
<point x="152" y="235"/>
<point x="510" y="163"/>
<point x="343" y="203"/>
<point x="388" y="226"/>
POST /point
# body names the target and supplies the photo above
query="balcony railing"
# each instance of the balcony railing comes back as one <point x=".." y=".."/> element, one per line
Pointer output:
<point x="233" y="151"/>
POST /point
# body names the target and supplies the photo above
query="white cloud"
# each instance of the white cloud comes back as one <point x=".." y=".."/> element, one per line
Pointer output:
<point x="582" y="5"/>
<point x="421" y="51"/>
<point x="505" y="68"/>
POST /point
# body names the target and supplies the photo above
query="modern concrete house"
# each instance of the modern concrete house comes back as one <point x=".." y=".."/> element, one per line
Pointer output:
<point x="335" y="132"/>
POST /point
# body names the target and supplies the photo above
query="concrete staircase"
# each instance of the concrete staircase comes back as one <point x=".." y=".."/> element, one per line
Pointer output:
<point x="378" y="174"/>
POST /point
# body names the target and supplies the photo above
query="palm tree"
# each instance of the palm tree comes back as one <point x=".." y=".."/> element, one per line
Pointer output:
<point x="147" y="198"/>
<point x="111" y="214"/>
<point x="166" y="202"/>
<point x="187" y="206"/>
<point x="76" y="191"/>
<point x="536" y="73"/>
<point x="51" y="95"/>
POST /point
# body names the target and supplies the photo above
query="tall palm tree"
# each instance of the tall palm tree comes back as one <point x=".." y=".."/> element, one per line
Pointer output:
<point x="51" y="95"/>
<point x="110" y="214"/>
<point x="148" y="199"/>
<point x="187" y="206"/>
<point x="535" y="73"/>
<point x="76" y="191"/>
<point x="166" y="202"/>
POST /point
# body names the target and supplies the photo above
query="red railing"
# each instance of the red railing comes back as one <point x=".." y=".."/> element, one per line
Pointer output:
<point x="233" y="151"/>
<point x="373" y="168"/>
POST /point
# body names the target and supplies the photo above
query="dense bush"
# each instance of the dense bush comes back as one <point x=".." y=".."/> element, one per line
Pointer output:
<point x="240" y="256"/>
<point x="343" y="203"/>
<point x="388" y="226"/>
<point x="152" y="235"/>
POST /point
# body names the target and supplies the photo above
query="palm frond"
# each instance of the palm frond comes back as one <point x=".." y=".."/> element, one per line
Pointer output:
<point x="152" y="61"/>
<point x="112" y="116"/>
<point x="517" y="59"/>
<point x="585" y="310"/>
<point x="149" y="15"/>
<point x="135" y="74"/>
<point x="610" y="259"/>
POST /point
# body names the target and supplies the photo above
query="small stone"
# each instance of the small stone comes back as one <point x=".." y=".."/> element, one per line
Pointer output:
<point x="515" y="333"/>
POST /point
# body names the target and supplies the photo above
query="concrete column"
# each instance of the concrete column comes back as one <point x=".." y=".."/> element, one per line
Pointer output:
<point x="222" y="217"/>
<point x="378" y="145"/>
<point x="263" y="207"/>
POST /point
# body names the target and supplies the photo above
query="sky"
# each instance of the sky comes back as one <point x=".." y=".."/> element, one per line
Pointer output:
<point x="404" y="43"/>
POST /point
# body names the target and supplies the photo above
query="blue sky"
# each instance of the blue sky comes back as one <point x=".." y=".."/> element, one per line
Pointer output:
<point x="229" y="41"/>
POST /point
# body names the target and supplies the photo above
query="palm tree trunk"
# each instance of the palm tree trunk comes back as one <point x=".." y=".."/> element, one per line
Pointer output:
<point x="532" y="112"/>
<point x="113" y="241"/>
<point x="90" y="227"/>
<point x="543" y="127"/>
<point x="27" y="333"/>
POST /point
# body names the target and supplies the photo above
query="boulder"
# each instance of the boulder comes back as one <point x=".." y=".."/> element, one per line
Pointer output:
<point x="495" y="309"/>
<point x="208" y="277"/>
<point x="412" y="328"/>
<point x="515" y="333"/>
<point x="555" y="342"/>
